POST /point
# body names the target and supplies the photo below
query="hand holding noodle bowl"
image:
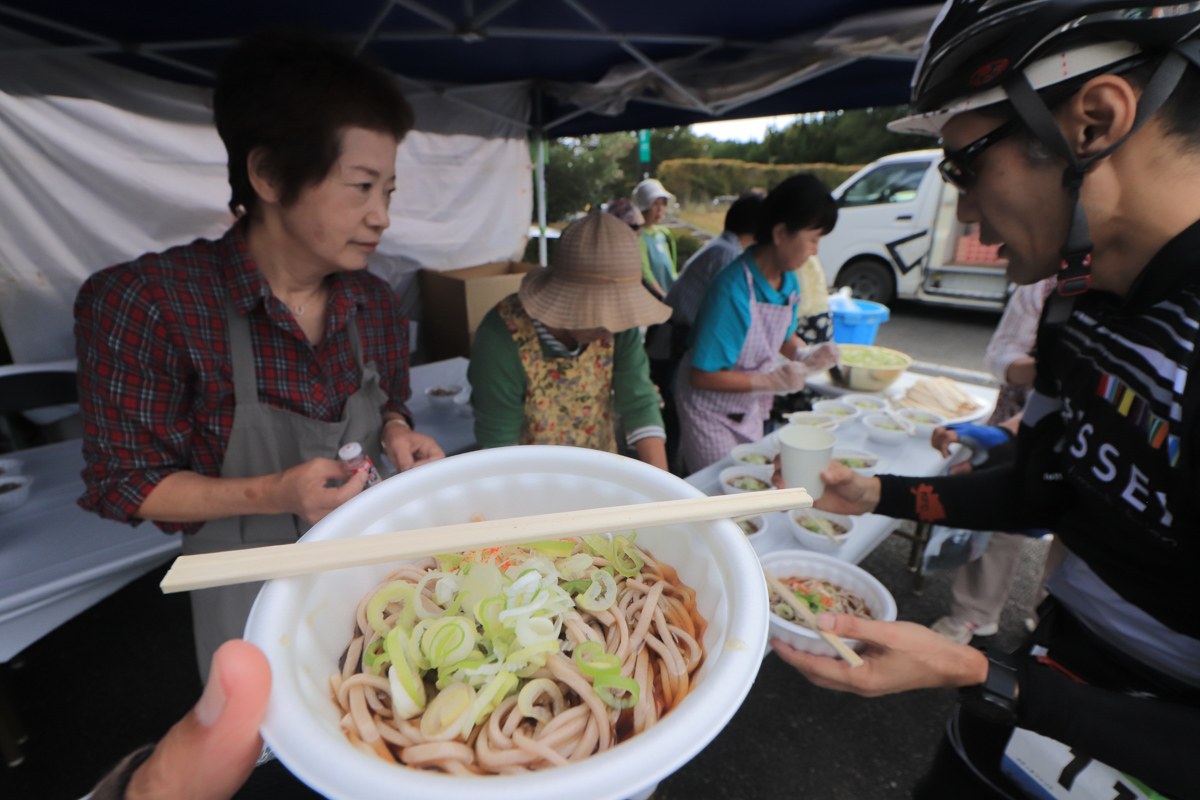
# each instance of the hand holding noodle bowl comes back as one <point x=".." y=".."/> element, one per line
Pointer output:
<point x="513" y="659"/>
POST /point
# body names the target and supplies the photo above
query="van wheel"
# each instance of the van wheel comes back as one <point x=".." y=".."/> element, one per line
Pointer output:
<point x="868" y="280"/>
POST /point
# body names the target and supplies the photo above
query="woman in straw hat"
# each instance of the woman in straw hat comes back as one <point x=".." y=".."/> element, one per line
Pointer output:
<point x="552" y="363"/>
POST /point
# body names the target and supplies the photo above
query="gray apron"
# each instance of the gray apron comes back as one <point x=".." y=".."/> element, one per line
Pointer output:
<point x="267" y="440"/>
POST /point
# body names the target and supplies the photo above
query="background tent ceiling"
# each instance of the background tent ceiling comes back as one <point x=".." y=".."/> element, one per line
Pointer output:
<point x="591" y="65"/>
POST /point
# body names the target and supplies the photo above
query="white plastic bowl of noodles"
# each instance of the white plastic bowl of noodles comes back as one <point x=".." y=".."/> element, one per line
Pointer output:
<point x="303" y="624"/>
<point x="785" y="564"/>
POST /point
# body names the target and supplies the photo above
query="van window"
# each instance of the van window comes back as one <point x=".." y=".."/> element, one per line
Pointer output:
<point x="891" y="183"/>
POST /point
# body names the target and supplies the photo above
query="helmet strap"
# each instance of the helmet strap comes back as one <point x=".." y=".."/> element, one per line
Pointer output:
<point x="1075" y="276"/>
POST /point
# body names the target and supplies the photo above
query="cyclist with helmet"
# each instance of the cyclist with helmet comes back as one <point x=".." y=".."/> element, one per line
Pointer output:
<point x="1072" y="130"/>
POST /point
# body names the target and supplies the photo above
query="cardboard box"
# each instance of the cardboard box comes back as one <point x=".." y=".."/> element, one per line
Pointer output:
<point x="456" y="301"/>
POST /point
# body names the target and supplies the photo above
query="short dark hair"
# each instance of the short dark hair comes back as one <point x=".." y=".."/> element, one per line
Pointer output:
<point x="292" y="93"/>
<point x="800" y="202"/>
<point x="742" y="217"/>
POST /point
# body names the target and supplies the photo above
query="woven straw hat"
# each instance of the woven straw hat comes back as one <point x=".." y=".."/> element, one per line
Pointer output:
<point x="595" y="280"/>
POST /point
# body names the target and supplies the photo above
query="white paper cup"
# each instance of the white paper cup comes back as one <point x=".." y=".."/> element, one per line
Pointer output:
<point x="804" y="454"/>
<point x="303" y="624"/>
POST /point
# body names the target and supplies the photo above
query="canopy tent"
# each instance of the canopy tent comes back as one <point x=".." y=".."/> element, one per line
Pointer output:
<point x="107" y="148"/>
<point x="590" y="66"/>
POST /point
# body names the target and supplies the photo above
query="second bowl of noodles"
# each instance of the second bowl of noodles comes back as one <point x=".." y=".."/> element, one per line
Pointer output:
<point x="824" y="583"/>
<point x="305" y="624"/>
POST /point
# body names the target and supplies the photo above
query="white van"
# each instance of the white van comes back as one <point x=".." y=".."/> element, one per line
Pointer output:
<point x="898" y="236"/>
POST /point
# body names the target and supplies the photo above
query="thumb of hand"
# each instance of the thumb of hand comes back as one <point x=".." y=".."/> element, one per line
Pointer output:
<point x="209" y="753"/>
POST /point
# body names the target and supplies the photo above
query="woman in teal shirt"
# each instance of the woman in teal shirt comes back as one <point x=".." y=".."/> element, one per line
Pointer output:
<point x="727" y="381"/>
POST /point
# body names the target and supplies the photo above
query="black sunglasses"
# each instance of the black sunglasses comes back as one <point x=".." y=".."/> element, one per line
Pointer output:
<point x="956" y="167"/>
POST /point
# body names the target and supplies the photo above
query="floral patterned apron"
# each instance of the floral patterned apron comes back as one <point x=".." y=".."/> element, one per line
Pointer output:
<point x="711" y="423"/>
<point x="569" y="400"/>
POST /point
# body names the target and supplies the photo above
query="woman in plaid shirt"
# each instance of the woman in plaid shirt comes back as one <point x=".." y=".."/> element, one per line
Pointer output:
<point x="218" y="379"/>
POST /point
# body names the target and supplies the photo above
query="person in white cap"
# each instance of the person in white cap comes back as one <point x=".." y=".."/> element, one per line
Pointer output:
<point x="659" y="256"/>
<point x="1072" y="132"/>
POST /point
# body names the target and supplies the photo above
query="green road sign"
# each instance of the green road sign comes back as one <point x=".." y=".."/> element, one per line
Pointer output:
<point x="644" y="147"/>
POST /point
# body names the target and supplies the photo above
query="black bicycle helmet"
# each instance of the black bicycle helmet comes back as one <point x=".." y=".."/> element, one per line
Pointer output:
<point x="982" y="52"/>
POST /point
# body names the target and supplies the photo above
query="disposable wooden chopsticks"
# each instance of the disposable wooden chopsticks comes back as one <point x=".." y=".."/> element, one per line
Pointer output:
<point x="281" y="561"/>
<point x="843" y="649"/>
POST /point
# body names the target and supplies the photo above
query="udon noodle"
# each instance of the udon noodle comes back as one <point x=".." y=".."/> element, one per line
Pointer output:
<point x="518" y="658"/>
<point x="819" y="595"/>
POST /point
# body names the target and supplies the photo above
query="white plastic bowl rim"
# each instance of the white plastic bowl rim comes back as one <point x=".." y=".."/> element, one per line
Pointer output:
<point x="840" y="453"/>
<point x="822" y="566"/>
<point x="852" y="398"/>
<point x="827" y="422"/>
<point x="763" y="472"/>
<point x="760" y="524"/>
<point x="911" y="415"/>
<point x="873" y="422"/>
<point x="766" y="447"/>
<point x="303" y="624"/>
<point x="823" y="406"/>
<point x="818" y="542"/>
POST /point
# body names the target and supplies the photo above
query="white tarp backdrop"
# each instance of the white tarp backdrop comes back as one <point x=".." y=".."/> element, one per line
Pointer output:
<point x="99" y="164"/>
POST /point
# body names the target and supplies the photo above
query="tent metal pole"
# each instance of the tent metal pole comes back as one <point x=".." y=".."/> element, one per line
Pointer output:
<point x="540" y="138"/>
<point x="642" y="58"/>
<point x="375" y="23"/>
<point x="498" y="8"/>
<point x="427" y="13"/>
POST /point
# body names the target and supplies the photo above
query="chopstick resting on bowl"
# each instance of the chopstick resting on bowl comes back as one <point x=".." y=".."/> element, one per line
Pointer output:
<point x="835" y="641"/>
<point x="285" y="560"/>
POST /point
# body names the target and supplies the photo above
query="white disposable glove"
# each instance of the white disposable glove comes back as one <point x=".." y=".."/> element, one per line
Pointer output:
<point x="787" y="379"/>
<point x="820" y="357"/>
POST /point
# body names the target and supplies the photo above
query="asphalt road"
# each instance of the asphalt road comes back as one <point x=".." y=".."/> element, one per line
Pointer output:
<point x="939" y="335"/>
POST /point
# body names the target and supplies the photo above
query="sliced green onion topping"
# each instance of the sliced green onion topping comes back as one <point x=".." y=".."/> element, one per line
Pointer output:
<point x="394" y="592"/>
<point x="625" y="559"/>
<point x="591" y="600"/>
<point x="554" y="548"/>
<point x="448" y="641"/>
<point x="408" y="690"/>
<point x="604" y="683"/>
<point x="592" y="660"/>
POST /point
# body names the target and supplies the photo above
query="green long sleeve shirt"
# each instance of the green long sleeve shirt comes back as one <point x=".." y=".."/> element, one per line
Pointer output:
<point x="499" y="384"/>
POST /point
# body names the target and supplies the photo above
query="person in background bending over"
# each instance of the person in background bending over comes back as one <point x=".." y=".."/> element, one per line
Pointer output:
<point x="727" y="383"/>
<point x="218" y="379"/>
<point x="659" y="257"/>
<point x="553" y="362"/>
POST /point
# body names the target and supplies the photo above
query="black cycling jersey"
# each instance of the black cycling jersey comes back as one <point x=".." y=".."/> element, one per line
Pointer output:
<point x="1107" y="451"/>
<point x="1107" y="459"/>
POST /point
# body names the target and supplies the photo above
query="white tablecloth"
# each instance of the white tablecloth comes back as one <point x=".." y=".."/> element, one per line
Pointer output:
<point x="915" y="457"/>
<point x="57" y="560"/>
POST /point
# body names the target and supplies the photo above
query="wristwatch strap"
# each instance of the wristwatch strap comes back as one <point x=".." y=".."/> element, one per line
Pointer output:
<point x="996" y="698"/>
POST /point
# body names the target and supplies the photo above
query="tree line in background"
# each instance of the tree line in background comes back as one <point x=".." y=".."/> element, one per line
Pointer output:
<point x="587" y="171"/>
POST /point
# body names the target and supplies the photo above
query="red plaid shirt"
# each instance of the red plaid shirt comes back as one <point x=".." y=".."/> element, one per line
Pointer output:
<point x="156" y="382"/>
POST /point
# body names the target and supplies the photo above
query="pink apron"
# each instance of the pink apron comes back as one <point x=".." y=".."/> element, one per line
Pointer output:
<point x="713" y="422"/>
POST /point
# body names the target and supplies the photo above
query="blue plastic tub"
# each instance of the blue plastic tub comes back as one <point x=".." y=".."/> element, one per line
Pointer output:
<point x="860" y="325"/>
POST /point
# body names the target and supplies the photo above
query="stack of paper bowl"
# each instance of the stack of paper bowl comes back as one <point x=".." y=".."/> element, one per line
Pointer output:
<point x="303" y="624"/>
